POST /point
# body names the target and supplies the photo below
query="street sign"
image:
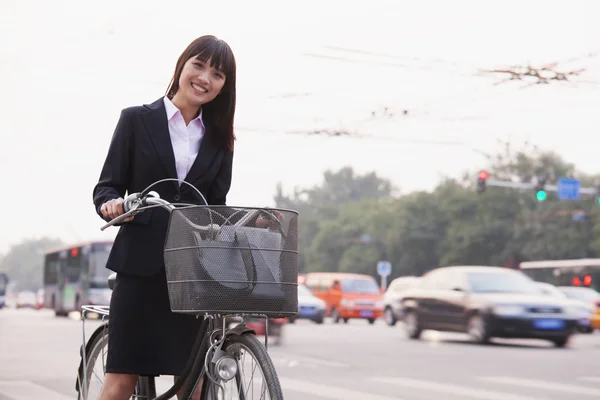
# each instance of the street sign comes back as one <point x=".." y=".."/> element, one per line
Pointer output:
<point x="384" y="268"/>
<point x="568" y="189"/>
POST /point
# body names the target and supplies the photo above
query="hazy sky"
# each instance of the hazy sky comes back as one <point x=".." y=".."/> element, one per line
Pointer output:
<point x="67" y="68"/>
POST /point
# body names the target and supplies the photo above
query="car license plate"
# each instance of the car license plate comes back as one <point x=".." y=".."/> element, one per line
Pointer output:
<point x="549" y="324"/>
<point x="307" y="312"/>
<point x="367" y="314"/>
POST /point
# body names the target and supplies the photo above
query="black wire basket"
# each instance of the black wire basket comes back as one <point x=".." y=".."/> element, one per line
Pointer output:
<point x="231" y="260"/>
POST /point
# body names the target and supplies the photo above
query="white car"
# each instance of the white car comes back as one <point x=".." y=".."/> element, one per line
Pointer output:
<point x="392" y="300"/>
<point x="26" y="299"/>
<point x="585" y="310"/>
<point x="309" y="306"/>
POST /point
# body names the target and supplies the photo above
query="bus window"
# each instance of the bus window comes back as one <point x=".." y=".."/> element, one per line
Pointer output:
<point x="98" y="271"/>
<point x="73" y="266"/>
<point x="51" y="270"/>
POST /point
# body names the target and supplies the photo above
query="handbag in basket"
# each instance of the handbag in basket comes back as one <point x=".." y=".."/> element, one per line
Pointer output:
<point x="243" y="262"/>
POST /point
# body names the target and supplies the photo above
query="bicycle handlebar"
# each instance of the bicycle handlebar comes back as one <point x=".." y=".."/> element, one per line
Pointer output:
<point x="132" y="204"/>
<point x="136" y="202"/>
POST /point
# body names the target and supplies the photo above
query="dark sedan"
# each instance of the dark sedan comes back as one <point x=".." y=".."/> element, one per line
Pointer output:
<point x="486" y="302"/>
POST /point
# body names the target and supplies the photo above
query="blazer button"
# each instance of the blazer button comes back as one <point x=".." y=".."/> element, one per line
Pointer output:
<point x="176" y="197"/>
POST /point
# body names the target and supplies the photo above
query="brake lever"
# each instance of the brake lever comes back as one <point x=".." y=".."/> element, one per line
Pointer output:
<point x="120" y="218"/>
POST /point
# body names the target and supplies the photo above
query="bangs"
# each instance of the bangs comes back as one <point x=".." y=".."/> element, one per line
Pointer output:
<point x="219" y="53"/>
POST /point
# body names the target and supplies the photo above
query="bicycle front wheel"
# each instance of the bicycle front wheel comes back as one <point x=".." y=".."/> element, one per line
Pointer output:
<point x="256" y="377"/>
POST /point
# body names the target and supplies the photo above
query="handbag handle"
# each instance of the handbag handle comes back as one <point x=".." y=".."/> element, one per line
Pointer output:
<point x="244" y="245"/>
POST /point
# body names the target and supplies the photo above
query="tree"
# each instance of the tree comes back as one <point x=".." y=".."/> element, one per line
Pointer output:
<point x="323" y="202"/>
<point x="350" y="222"/>
<point x="24" y="262"/>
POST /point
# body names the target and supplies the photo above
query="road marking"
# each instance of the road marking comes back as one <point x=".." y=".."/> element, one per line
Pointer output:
<point x="458" y="390"/>
<point x="309" y="361"/>
<point x="589" y="379"/>
<point x="329" y="392"/>
<point x="324" y="362"/>
<point x="558" y="387"/>
<point x="23" y="390"/>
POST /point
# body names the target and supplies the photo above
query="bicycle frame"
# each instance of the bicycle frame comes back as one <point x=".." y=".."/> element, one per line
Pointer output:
<point x="197" y="363"/>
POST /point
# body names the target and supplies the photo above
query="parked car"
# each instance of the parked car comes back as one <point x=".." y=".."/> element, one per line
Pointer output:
<point x="487" y="302"/>
<point x="595" y="319"/>
<point x="584" y="310"/>
<point x="39" y="296"/>
<point x="309" y="306"/>
<point x="392" y="300"/>
<point x="26" y="299"/>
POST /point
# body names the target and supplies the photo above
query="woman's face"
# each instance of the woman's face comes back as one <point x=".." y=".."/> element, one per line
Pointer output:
<point x="199" y="83"/>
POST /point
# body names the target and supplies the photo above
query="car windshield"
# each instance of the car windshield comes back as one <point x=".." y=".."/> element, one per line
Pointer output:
<point x="585" y="294"/>
<point x="304" y="291"/>
<point x="365" y="286"/>
<point x="501" y="282"/>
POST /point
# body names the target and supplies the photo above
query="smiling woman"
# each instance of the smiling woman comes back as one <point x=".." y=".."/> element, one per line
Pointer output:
<point x="186" y="135"/>
<point x="205" y="79"/>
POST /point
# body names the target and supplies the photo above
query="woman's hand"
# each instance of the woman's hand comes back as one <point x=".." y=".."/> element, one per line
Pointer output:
<point x="265" y="222"/>
<point x="113" y="208"/>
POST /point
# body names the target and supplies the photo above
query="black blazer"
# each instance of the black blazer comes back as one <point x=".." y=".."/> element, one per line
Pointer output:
<point x="140" y="154"/>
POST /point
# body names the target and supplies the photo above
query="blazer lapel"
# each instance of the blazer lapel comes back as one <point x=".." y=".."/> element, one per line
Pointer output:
<point x="206" y="154"/>
<point x="157" y="127"/>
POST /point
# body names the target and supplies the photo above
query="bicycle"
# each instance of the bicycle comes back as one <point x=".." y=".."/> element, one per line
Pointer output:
<point x="260" y="281"/>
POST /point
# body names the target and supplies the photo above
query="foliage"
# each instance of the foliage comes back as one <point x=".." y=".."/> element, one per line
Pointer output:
<point x="451" y="225"/>
<point x="23" y="263"/>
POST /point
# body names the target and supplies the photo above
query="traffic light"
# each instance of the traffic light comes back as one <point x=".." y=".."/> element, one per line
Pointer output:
<point x="540" y="192"/>
<point x="481" y="180"/>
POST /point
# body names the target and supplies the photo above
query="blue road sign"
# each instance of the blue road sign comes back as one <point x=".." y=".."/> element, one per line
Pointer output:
<point x="568" y="189"/>
<point x="384" y="268"/>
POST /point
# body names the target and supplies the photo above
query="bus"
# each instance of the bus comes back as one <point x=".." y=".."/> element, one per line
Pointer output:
<point x="3" y="287"/>
<point x="75" y="276"/>
<point x="583" y="272"/>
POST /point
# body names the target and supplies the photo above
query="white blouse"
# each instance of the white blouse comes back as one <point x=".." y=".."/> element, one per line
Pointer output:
<point x="184" y="139"/>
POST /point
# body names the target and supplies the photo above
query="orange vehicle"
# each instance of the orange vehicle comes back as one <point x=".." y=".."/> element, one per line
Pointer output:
<point x="347" y="295"/>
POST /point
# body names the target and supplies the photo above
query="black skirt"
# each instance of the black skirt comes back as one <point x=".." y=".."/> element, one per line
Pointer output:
<point x="145" y="337"/>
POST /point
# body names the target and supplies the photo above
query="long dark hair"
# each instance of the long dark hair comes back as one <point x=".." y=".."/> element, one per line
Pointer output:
<point x="217" y="115"/>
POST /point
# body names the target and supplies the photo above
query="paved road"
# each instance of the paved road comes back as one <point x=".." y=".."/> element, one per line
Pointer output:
<point x="39" y="356"/>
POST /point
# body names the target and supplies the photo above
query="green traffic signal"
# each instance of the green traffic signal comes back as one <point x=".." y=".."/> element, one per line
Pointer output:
<point x="541" y="195"/>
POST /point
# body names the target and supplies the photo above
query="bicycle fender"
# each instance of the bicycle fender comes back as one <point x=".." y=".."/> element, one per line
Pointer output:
<point x="97" y="332"/>
<point x="239" y="330"/>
